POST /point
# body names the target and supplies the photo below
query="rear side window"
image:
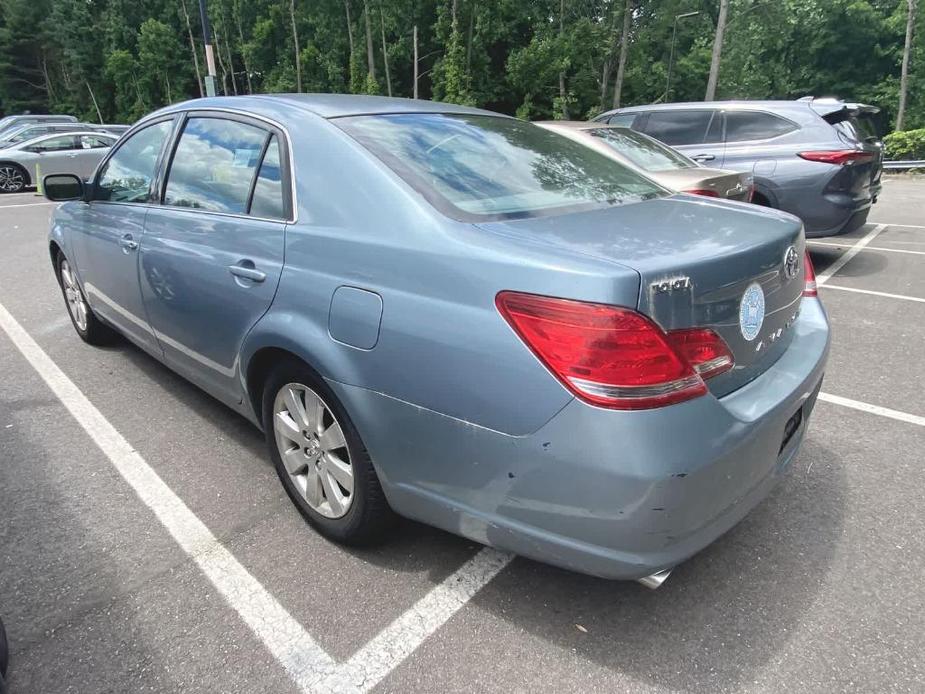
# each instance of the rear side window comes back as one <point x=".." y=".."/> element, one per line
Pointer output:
<point x="681" y="127"/>
<point x="127" y="175"/>
<point x="268" y="188"/>
<point x="56" y="144"/>
<point x="214" y="165"/>
<point x="742" y="126"/>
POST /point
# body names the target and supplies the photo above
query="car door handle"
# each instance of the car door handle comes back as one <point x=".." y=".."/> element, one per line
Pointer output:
<point x="246" y="270"/>
<point x="703" y="157"/>
<point x="128" y="243"/>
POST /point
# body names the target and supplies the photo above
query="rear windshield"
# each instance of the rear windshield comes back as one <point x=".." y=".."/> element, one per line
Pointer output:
<point x="644" y="152"/>
<point x="481" y="168"/>
<point x="858" y="128"/>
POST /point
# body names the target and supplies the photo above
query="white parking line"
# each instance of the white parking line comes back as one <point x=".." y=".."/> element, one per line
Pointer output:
<point x="842" y="260"/>
<point x="907" y="226"/>
<point x="866" y="248"/>
<point x="368" y="666"/>
<point x="873" y="409"/>
<point x="28" y="204"/>
<point x="283" y="636"/>
<point x="875" y="293"/>
<point x="304" y="660"/>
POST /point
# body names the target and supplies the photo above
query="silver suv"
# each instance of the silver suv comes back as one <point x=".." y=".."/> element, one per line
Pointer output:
<point x="819" y="159"/>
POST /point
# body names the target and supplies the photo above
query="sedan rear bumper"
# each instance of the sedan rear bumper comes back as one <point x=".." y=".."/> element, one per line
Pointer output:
<point x="614" y="494"/>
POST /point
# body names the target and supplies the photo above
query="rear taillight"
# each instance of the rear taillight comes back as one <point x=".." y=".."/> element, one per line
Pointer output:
<point x="809" y="272"/>
<point x="837" y="156"/>
<point x="706" y="192"/>
<point x="615" y="357"/>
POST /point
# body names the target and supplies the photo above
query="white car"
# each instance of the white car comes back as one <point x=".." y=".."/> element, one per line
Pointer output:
<point x="74" y="153"/>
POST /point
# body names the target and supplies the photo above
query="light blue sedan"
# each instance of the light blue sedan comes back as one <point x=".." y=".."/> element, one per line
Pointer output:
<point x="458" y="317"/>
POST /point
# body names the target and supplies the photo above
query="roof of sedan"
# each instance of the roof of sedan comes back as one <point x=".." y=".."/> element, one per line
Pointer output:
<point x="331" y="105"/>
<point x="579" y="124"/>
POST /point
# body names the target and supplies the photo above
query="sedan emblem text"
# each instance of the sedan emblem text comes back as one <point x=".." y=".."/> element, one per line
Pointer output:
<point x="751" y="312"/>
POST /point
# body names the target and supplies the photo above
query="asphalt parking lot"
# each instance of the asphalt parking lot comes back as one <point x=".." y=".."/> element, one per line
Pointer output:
<point x="147" y="546"/>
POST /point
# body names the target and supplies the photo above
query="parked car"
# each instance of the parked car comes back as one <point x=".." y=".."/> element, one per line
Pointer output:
<point x="77" y="153"/>
<point x="10" y="122"/>
<point x="30" y="131"/>
<point x="657" y="161"/>
<point x="815" y="158"/>
<point x="114" y="129"/>
<point x="457" y="316"/>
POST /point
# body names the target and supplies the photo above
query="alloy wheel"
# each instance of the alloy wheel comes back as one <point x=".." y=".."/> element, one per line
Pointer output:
<point x="313" y="450"/>
<point x="75" y="298"/>
<point x="11" y="179"/>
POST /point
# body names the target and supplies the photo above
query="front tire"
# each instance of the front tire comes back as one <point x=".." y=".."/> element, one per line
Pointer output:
<point x="88" y="326"/>
<point x="320" y="459"/>
<point x="12" y="178"/>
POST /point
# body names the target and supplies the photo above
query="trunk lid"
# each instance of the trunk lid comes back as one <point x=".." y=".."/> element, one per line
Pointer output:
<point x="695" y="259"/>
<point x="730" y="185"/>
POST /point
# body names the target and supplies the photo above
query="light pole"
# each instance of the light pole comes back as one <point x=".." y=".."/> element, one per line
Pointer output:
<point x="210" y="56"/>
<point x="674" y="36"/>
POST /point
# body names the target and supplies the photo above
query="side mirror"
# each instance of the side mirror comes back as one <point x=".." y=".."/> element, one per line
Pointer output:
<point x="63" y="187"/>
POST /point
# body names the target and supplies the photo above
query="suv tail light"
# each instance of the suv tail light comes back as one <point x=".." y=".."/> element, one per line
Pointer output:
<point x="809" y="288"/>
<point x="615" y="357"/>
<point x="706" y="192"/>
<point x="837" y="156"/>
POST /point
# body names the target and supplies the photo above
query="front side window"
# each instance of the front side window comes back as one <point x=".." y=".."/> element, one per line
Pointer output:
<point x="214" y="165"/>
<point x="56" y="144"/>
<point x="127" y="175"/>
<point x="679" y="127"/>
<point x="479" y="168"/>
<point x="623" y="119"/>
<point x="742" y="126"/>
<point x="643" y="151"/>
<point x="268" y="198"/>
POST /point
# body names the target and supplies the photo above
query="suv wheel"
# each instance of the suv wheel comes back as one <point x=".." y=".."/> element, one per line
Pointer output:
<point x="12" y="178"/>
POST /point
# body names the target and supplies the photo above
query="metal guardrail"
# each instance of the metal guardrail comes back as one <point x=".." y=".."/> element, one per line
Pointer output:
<point x="911" y="164"/>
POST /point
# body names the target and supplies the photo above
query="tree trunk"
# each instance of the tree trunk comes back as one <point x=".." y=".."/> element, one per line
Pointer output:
<point x="93" y="99"/>
<point x="221" y="61"/>
<point x="607" y="66"/>
<point x="717" y="50"/>
<point x="192" y="47"/>
<point x="904" y="75"/>
<point x="415" y="40"/>
<point x="469" y="41"/>
<point x="234" y="81"/>
<point x="167" y="82"/>
<point x="370" y="57"/>
<point x="295" y="42"/>
<point x="562" y="95"/>
<point x="624" y="46"/>
<point x="349" y="25"/>
<point x="385" y="53"/>
<point x="236" y="15"/>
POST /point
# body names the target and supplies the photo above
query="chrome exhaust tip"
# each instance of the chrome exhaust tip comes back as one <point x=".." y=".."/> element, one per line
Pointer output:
<point x="655" y="580"/>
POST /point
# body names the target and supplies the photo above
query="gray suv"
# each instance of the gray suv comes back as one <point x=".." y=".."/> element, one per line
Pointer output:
<point x="819" y="159"/>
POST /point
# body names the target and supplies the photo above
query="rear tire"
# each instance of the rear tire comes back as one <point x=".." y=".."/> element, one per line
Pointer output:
<point x="327" y="471"/>
<point x="88" y="326"/>
<point x="12" y="178"/>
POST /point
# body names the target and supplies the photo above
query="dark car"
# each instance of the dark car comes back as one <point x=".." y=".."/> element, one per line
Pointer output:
<point x="819" y="159"/>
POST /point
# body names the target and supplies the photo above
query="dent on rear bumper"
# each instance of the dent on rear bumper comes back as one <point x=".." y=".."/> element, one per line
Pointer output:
<point x="613" y="494"/>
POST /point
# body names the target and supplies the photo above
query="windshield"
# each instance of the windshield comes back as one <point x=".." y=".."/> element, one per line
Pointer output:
<point x="479" y="168"/>
<point x="644" y="152"/>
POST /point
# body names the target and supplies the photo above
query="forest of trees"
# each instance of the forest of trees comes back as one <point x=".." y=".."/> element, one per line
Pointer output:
<point x="115" y="60"/>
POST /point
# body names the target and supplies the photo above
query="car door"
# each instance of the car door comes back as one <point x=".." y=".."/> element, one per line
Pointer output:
<point x="57" y="154"/>
<point x="698" y="133"/>
<point x="108" y="231"/>
<point x="92" y="150"/>
<point x="212" y="253"/>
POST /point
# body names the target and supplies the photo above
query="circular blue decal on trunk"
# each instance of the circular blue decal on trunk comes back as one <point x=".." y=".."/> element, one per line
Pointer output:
<point x="751" y="311"/>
